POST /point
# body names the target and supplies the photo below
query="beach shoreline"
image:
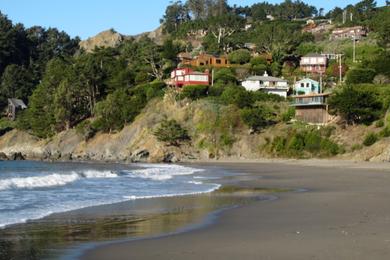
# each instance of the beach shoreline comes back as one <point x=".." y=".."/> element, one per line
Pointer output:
<point x="325" y="222"/>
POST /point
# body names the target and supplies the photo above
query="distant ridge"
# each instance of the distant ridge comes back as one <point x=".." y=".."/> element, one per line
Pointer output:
<point x="111" y="38"/>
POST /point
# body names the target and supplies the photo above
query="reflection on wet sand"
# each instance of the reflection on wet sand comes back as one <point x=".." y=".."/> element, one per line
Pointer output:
<point x="59" y="234"/>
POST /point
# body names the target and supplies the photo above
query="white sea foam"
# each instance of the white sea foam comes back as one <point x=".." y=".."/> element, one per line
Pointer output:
<point x="38" y="181"/>
<point x="98" y="174"/>
<point x="133" y="197"/>
<point x="161" y="172"/>
<point x="152" y="175"/>
<point x="196" y="182"/>
<point x="52" y="180"/>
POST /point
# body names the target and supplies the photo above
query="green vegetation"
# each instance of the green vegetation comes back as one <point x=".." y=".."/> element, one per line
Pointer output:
<point x="370" y="139"/>
<point x="171" y="133"/>
<point x="304" y="142"/>
<point x="357" y="104"/>
<point x="194" y="92"/>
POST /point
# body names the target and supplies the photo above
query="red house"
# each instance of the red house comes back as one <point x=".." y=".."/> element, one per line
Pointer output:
<point x="314" y="63"/>
<point x="185" y="76"/>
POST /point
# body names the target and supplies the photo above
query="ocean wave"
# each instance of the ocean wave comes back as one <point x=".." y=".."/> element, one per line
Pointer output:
<point x="160" y="172"/>
<point x="52" y="180"/>
<point x="196" y="182"/>
<point x="134" y="197"/>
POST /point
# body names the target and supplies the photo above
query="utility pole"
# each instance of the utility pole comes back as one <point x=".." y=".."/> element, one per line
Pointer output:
<point x="354" y="48"/>
<point x="340" y="68"/>
<point x="212" y="77"/>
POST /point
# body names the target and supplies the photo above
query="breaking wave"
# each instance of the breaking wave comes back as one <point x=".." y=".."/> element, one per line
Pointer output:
<point x="160" y="172"/>
<point x="52" y="180"/>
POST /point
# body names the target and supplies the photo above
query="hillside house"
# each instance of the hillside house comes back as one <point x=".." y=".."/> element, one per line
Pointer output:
<point x="312" y="108"/>
<point x="268" y="84"/>
<point x="181" y="77"/>
<point x="208" y="61"/>
<point x="307" y="86"/>
<point x="356" y="32"/>
<point x="314" y="63"/>
<point x="14" y="105"/>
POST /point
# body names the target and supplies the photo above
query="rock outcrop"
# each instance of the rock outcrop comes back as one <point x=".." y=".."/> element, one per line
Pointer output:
<point x="108" y="38"/>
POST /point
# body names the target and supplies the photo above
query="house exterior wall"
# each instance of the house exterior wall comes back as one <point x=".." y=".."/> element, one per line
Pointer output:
<point x="312" y="114"/>
<point x="349" y="32"/>
<point x="313" y="64"/>
<point x="306" y="87"/>
<point x="277" y="88"/>
<point x="279" y="92"/>
<point x="186" y="76"/>
<point x="251" y="85"/>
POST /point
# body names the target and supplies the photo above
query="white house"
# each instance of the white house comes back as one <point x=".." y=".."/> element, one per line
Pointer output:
<point x="268" y="84"/>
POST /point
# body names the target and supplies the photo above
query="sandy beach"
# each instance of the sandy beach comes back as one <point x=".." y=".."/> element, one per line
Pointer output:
<point x="343" y="213"/>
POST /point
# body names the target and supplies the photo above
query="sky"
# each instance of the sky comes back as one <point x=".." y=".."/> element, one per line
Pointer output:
<point x="86" y="18"/>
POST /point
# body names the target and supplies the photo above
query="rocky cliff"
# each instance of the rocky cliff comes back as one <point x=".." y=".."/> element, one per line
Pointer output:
<point x="137" y="143"/>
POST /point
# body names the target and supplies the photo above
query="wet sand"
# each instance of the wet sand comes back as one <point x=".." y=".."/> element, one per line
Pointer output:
<point x="344" y="214"/>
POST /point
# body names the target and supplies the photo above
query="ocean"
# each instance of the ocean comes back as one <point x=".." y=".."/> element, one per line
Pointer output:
<point x="33" y="190"/>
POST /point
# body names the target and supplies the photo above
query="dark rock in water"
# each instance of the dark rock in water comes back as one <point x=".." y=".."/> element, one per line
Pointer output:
<point x="3" y="157"/>
<point x="140" y="156"/>
<point x="170" y="158"/>
<point x="17" y="156"/>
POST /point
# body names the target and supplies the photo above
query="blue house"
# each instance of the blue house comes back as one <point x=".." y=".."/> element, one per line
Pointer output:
<point x="307" y="86"/>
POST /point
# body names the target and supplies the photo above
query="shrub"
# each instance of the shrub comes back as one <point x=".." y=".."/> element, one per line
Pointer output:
<point x="224" y="76"/>
<point x="194" y="92"/>
<point x="328" y="147"/>
<point x="288" y="115"/>
<point x="86" y="129"/>
<point x="278" y="144"/>
<point x="171" y="132"/>
<point x="360" y="75"/>
<point x="379" y="123"/>
<point x="239" y="56"/>
<point x="356" y="105"/>
<point x="370" y="139"/>
<point x="237" y="95"/>
<point x="313" y="141"/>
<point x="256" y="117"/>
<point x="356" y="147"/>
<point x="385" y="132"/>
<point x="304" y="142"/>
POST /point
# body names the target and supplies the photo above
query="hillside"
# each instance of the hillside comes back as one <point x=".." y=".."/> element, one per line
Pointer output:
<point x="137" y="142"/>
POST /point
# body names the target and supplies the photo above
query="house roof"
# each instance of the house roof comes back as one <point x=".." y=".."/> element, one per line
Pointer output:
<point x="307" y="80"/>
<point x="312" y="95"/>
<point x="17" y="103"/>
<point x="313" y="55"/>
<point x="265" y="78"/>
<point x="196" y="73"/>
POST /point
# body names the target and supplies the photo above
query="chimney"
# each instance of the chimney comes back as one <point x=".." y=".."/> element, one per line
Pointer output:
<point x="265" y="74"/>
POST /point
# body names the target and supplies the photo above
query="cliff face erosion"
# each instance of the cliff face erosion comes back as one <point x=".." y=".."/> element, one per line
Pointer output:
<point x="215" y="131"/>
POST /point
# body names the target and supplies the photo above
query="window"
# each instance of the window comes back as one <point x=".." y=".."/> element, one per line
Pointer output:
<point x="201" y="64"/>
<point x="307" y="85"/>
<point x="302" y="85"/>
<point x="218" y="61"/>
<point x="226" y="61"/>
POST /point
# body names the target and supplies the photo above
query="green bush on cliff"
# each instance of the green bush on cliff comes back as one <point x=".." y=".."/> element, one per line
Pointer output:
<point x="370" y="139"/>
<point x="303" y="143"/>
<point x="256" y="117"/>
<point x="171" y="132"/>
<point x="194" y="92"/>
